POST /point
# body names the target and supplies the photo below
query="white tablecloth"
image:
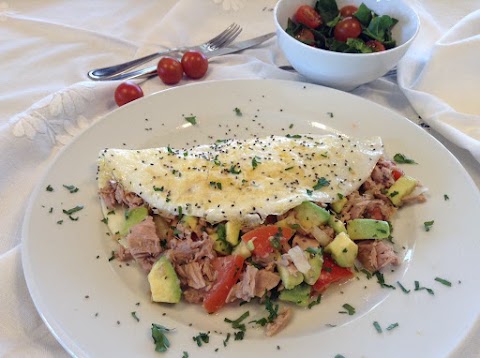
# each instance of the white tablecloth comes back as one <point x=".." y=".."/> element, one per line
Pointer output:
<point x="47" y="47"/>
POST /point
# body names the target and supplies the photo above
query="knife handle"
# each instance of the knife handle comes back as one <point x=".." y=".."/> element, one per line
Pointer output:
<point x="109" y="73"/>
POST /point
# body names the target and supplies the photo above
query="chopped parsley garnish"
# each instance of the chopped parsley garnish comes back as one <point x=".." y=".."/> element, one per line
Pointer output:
<point x="392" y="326"/>
<point x="238" y="111"/>
<point x="192" y="120"/>
<point x="381" y="281"/>
<point x="348" y="309"/>
<point x="225" y="341"/>
<point x="201" y="338"/>
<point x="402" y="159"/>
<point x="309" y="192"/>
<point x="290" y="126"/>
<point x="402" y="287"/>
<point x="180" y="213"/>
<point x="330" y="114"/>
<point x="104" y="220"/>
<point x="239" y="335"/>
<point x="49" y="188"/>
<point x="60" y="222"/>
<point x="420" y="288"/>
<point x="314" y="250"/>
<point x="216" y="161"/>
<point x="73" y="210"/>
<point x="294" y="136"/>
<point x="233" y="170"/>
<point x="289" y="168"/>
<point x="428" y="225"/>
<point x="216" y="185"/>
<point x="237" y="324"/>
<point x="185" y="355"/>
<point x="134" y="315"/>
<point x="393" y="193"/>
<point x="255" y="162"/>
<point x="321" y="183"/>
<point x="445" y="197"/>
<point x="71" y="188"/>
<point x="156" y="188"/>
<point x="159" y="338"/>
<point x="377" y="326"/>
<point x="443" y="281"/>
<point x="272" y="310"/>
<point x="275" y="242"/>
<point x="340" y="196"/>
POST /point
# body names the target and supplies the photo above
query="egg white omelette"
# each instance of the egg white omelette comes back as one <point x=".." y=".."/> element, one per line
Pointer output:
<point x="243" y="180"/>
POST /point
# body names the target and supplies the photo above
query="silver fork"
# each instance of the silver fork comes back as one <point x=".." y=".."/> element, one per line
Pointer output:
<point x="219" y="41"/>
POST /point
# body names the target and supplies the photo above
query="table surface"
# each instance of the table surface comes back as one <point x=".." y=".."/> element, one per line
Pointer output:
<point x="46" y="50"/>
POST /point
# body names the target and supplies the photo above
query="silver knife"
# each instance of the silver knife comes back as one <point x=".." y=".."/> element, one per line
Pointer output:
<point x="152" y="71"/>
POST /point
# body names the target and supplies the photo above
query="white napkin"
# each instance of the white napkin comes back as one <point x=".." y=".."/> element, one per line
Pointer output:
<point x="440" y="77"/>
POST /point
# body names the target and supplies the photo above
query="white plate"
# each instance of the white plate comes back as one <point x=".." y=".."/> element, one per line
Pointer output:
<point x="87" y="300"/>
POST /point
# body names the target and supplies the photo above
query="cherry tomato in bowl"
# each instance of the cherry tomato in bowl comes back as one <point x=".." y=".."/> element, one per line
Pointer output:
<point x="169" y="70"/>
<point x="375" y="45"/>
<point x="127" y="92"/>
<point x="195" y="64"/>
<point x="346" y="28"/>
<point x="348" y="10"/>
<point x="308" y="16"/>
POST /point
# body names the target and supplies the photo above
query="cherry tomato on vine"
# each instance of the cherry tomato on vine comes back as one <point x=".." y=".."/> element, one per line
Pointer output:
<point x="346" y="28"/>
<point x="306" y="36"/>
<point x="348" y="10"/>
<point x="375" y="45"/>
<point x="169" y="70"/>
<point x="308" y="16"/>
<point x="127" y="92"/>
<point x="194" y="64"/>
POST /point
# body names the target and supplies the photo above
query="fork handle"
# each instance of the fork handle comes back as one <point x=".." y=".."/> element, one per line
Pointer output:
<point x="107" y="72"/>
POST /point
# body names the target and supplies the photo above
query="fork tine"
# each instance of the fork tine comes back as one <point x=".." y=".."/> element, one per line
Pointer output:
<point x="216" y="38"/>
<point x="227" y="38"/>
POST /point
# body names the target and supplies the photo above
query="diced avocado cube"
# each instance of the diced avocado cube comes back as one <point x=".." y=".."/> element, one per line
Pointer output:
<point x="190" y="221"/>
<point x="401" y="188"/>
<point x="316" y="263"/>
<point x="164" y="282"/>
<point x="336" y="225"/>
<point x="133" y="217"/>
<point x="310" y="215"/>
<point x="361" y="229"/>
<point x="219" y="245"/>
<point x="232" y="229"/>
<point x="289" y="280"/>
<point x="242" y="249"/>
<point x="338" y="205"/>
<point x="299" y="295"/>
<point x="343" y="250"/>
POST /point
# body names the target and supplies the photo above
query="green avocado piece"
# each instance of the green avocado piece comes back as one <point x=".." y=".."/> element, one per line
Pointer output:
<point x="232" y="229"/>
<point x="299" y="295"/>
<point x="360" y="229"/>
<point x="343" y="250"/>
<point x="316" y="263"/>
<point x="164" y="282"/>
<point x="337" y="225"/>
<point x="338" y="205"/>
<point x="220" y="243"/>
<point x="289" y="280"/>
<point x="133" y="217"/>
<point x="310" y="215"/>
<point x="190" y="221"/>
<point x="401" y="188"/>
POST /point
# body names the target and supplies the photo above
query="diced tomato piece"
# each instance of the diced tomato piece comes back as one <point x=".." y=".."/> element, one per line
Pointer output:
<point x="397" y="173"/>
<point x="262" y="235"/>
<point x="228" y="269"/>
<point x="331" y="273"/>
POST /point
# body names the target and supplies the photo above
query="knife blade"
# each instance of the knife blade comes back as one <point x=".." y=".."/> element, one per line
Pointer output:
<point x="152" y="71"/>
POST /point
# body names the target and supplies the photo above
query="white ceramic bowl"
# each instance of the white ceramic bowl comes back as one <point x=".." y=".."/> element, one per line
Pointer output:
<point x="346" y="71"/>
